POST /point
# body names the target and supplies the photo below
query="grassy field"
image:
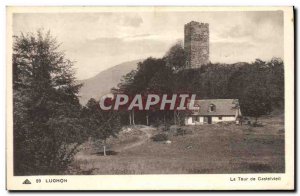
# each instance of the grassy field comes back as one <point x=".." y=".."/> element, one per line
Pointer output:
<point x="218" y="148"/>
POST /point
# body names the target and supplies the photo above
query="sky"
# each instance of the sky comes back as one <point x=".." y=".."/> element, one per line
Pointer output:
<point x="97" y="41"/>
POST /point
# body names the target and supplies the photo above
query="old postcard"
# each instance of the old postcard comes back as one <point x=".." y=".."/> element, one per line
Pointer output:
<point x="150" y="98"/>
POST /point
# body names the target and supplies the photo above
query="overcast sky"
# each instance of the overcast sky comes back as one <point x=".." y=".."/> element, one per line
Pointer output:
<point x="97" y="41"/>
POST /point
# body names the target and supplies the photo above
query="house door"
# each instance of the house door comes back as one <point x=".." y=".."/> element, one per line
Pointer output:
<point x="209" y="119"/>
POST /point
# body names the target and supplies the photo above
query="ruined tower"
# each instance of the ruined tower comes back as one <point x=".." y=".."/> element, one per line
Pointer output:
<point x="196" y="44"/>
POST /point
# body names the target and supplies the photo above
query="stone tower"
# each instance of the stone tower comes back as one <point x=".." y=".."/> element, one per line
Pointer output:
<point x="196" y="44"/>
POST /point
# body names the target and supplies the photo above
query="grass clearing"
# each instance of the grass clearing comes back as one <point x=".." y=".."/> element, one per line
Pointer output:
<point x="218" y="148"/>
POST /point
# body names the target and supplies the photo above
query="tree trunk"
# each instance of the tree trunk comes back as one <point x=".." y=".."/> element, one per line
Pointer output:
<point x="133" y="117"/>
<point x="177" y="117"/>
<point x="174" y="118"/>
<point x="147" y="119"/>
<point x="130" y="123"/>
<point x="104" y="148"/>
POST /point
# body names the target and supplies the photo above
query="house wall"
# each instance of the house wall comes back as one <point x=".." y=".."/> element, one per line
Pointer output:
<point x="215" y="119"/>
<point x="189" y="120"/>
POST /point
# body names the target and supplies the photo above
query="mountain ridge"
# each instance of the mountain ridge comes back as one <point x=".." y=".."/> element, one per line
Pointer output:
<point x="101" y="83"/>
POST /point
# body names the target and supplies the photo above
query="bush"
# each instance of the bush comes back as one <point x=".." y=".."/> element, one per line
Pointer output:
<point x="256" y="124"/>
<point x="183" y="131"/>
<point x="163" y="128"/>
<point x="160" y="137"/>
<point x="180" y="131"/>
<point x="166" y="127"/>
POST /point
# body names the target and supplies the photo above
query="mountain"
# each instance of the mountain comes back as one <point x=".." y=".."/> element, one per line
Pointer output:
<point x="101" y="84"/>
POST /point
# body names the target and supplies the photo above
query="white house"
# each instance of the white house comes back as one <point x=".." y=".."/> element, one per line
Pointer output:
<point x="210" y="111"/>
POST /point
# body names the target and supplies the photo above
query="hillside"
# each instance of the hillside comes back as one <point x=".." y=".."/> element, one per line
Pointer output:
<point x="102" y="83"/>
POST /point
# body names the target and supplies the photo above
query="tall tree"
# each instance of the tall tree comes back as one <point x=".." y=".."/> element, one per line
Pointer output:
<point x="47" y="130"/>
<point x="175" y="57"/>
<point x="256" y="101"/>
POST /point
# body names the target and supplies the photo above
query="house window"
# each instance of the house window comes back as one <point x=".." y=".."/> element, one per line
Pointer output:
<point x="220" y="117"/>
<point x="212" y="108"/>
<point x="197" y="107"/>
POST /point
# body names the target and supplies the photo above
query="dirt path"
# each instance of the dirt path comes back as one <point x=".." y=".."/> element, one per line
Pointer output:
<point x="144" y="137"/>
<point x="147" y="135"/>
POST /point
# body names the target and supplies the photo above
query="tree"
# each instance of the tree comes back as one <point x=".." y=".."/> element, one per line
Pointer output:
<point x="126" y="87"/>
<point x="175" y="57"/>
<point x="276" y="82"/>
<point x="101" y="124"/>
<point x="47" y="127"/>
<point x="151" y="76"/>
<point x="211" y="81"/>
<point x="256" y="101"/>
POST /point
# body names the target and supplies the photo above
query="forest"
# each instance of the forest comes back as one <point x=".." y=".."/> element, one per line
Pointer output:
<point x="258" y="85"/>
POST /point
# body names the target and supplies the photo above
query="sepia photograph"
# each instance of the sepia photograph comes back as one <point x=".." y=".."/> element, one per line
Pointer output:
<point x="127" y="94"/>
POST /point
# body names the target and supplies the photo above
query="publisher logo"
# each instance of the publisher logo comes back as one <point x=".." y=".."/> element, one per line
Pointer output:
<point x="26" y="182"/>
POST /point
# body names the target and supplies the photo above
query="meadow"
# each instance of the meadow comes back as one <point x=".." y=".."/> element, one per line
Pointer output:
<point x="206" y="149"/>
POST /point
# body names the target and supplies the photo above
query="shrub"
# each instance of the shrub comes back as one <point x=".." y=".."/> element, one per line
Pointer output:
<point x="180" y="131"/>
<point x="183" y="131"/>
<point x="160" y="137"/>
<point x="166" y="127"/>
<point x="256" y="124"/>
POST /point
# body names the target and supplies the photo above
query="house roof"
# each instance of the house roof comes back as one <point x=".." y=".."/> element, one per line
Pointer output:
<point x="225" y="107"/>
